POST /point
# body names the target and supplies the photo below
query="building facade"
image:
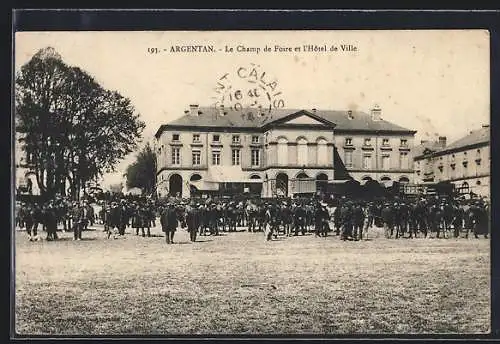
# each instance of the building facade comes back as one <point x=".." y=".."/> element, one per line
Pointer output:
<point x="465" y="163"/>
<point x="25" y="180"/>
<point x="282" y="153"/>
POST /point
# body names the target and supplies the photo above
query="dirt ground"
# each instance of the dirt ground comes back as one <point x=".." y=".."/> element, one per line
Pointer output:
<point x="238" y="283"/>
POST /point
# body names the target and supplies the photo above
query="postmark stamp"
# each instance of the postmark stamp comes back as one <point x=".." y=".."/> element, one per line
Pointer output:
<point x="248" y="89"/>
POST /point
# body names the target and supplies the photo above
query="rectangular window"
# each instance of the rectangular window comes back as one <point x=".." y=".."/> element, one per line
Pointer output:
<point x="216" y="138"/>
<point x="367" y="161"/>
<point x="215" y="157"/>
<point x="255" y="139"/>
<point x="255" y="157"/>
<point x="196" y="158"/>
<point x="348" y="159"/>
<point x="348" y="141"/>
<point x="196" y="137"/>
<point x="236" y="138"/>
<point x="385" y="142"/>
<point x="176" y="156"/>
<point x="175" y="137"/>
<point x="386" y="162"/>
<point x="368" y="141"/>
<point x="236" y="157"/>
<point x="403" y="160"/>
<point x="404" y="142"/>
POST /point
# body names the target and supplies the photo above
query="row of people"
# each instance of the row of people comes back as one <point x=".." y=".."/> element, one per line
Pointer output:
<point x="350" y="218"/>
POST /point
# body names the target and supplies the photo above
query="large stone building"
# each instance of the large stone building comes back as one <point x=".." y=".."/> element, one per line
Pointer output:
<point x="286" y="152"/>
<point x="465" y="162"/>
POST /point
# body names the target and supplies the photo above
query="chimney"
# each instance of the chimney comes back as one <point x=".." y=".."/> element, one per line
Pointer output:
<point x="314" y="111"/>
<point x="349" y="114"/>
<point x="442" y="141"/>
<point x="221" y="110"/>
<point x="193" y="109"/>
<point x="376" y="112"/>
<point x="485" y="126"/>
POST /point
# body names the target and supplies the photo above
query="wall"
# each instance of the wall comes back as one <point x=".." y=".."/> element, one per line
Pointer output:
<point x="292" y="135"/>
<point x="378" y="149"/>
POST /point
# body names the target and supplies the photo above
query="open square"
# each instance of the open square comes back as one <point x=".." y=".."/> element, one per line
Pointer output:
<point x="237" y="283"/>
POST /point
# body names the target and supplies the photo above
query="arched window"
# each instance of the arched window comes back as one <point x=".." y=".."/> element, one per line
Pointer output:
<point x="404" y="180"/>
<point x="302" y="152"/>
<point x="282" y="151"/>
<point x="322" y="152"/>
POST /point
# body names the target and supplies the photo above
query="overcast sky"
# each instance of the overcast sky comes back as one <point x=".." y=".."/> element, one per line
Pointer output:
<point x="435" y="82"/>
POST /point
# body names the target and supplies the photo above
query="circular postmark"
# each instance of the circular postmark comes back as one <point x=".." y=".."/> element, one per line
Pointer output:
<point x="248" y="89"/>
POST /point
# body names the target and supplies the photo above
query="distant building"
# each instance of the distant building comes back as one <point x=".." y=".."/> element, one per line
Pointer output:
<point x="423" y="164"/>
<point x="25" y="179"/>
<point x="284" y="153"/>
<point x="465" y="162"/>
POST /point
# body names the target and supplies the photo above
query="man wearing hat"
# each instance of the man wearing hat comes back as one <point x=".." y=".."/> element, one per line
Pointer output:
<point x="299" y="217"/>
<point x="50" y="221"/>
<point x="80" y="218"/>
<point x="388" y="219"/>
<point x="346" y="215"/>
<point x="192" y="221"/>
<point x="168" y="220"/>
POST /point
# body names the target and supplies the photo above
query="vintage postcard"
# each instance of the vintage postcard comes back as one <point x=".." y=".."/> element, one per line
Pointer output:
<point x="252" y="182"/>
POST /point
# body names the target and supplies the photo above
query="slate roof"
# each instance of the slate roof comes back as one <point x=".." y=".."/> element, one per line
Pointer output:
<point x="476" y="136"/>
<point x="210" y="117"/>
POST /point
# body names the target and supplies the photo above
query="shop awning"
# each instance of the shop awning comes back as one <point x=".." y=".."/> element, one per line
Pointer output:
<point x="202" y="185"/>
<point x="229" y="174"/>
<point x="335" y="181"/>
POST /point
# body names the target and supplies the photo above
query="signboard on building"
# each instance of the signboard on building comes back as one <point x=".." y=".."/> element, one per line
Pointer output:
<point x="303" y="186"/>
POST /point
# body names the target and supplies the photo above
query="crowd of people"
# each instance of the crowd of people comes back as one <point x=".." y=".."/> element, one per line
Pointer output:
<point x="349" y="219"/>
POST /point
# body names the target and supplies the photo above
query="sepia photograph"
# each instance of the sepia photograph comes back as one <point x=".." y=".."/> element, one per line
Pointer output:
<point x="204" y="183"/>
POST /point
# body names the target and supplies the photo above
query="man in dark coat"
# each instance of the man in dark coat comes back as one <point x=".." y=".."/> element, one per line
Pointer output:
<point x="169" y="223"/>
<point x="337" y="219"/>
<point x="50" y="221"/>
<point x="193" y="221"/>
<point x="388" y="219"/>
<point x="358" y="216"/>
<point x="346" y="215"/>
<point x="80" y="220"/>
<point x="299" y="217"/>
